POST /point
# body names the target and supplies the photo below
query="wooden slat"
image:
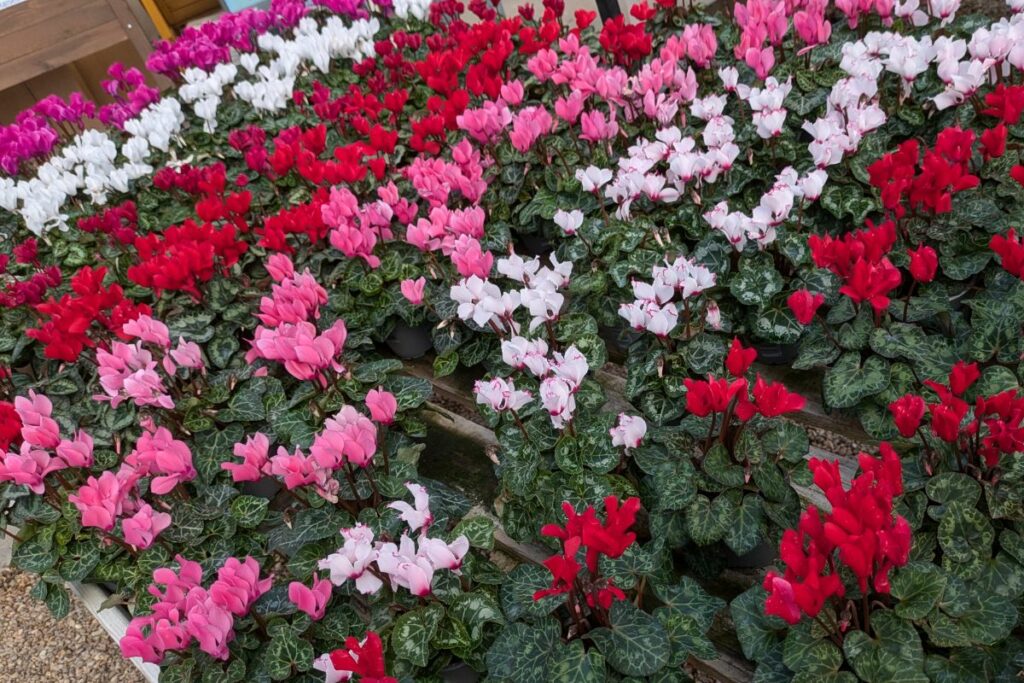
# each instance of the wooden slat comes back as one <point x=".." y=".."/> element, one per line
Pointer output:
<point x="16" y="18"/>
<point x="49" y="31"/>
<point x="57" y="54"/>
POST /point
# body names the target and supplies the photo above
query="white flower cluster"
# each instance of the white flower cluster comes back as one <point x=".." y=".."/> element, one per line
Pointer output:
<point x="485" y="304"/>
<point x="90" y="163"/>
<point x="656" y="308"/>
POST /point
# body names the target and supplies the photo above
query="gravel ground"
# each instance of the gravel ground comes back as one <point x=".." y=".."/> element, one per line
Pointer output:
<point x="36" y="648"/>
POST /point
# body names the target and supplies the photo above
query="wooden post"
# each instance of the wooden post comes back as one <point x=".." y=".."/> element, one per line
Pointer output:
<point x="608" y="9"/>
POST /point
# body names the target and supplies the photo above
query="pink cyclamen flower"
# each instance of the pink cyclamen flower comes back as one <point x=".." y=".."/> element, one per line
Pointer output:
<point x="77" y="452"/>
<point x="187" y="355"/>
<point x="212" y="625"/>
<point x="444" y="555"/>
<point x="100" y="501"/>
<point x="348" y="436"/>
<point x="254" y="459"/>
<point x="158" y="452"/>
<point x="142" y="528"/>
<point x="412" y="290"/>
<point x="128" y="372"/>
<point x="351" y="562"/>
<point x="313" y="601"/>
<point x="528" y="126"/>
<point x="238" y="585"/>
<point x="29" y="467"/>
<point x="295" y="468"/>
<point x="37" y="427"/>
<point x="596" y="126"/>
<point x="280" y="267"/>
<point x="148" y="330"/>
<point x="629" y="432"/>
<point x="305" y="352"/>
<point x="418" y="517"/>
<point x="470" y="258"/>
<point x="382" y="405"/>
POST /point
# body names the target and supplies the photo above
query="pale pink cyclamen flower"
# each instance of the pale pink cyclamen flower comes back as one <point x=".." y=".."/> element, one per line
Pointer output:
<point x="412" y="290"/>
<point x="569" y="221"/>
<point x="444" y="555"/>
<point x="325" y="665"/>
<point x="254" y="453"/>
<point x="351" y="562"/>
<point x="501" y="394"/>
<point x="186" y="354"/>
<point x="417" y="517"/>
<point x="382" y="405"/>
<point x="148" y="330"/>
<point x="142" y="528"/>
<point x="629" y="432"/>
<point x="313" y="601"/>
<point x="349" y="436"/>
<point x="557" y="397"/>
<point x="405" y="567"/>
<point x="37" y="427"/>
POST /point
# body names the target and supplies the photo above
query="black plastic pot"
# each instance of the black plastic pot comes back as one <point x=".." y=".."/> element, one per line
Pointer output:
<point x="410" y="342"/>
<point x="267" y="487"/>
<point x="620" y="338"/>
<point x="459" y="672"/>
<point x="776" y="354"/>
<point x="533" y="244"/>
<point x="762" y="555"/>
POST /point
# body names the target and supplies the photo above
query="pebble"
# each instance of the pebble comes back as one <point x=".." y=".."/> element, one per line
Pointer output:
<point x="36" y="647"/>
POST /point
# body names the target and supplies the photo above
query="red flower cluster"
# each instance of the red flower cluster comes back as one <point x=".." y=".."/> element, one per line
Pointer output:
<point x="10" y="426"/>
<point x="301" y="219"/>
<point x="804" y="305"/>
<point x="585" y="531"/>
<point x="29" y="291"/>
<point x="66" y="323"/>
<point x="732" y="397"/>
<point x="1010" y="251"/>
<point x="861" y="530"/>
<point x="944" y="171"/>
<point x="183" y="256"/>
<point x="995" y="428"/>
<point x="364" y="659"/>
<point x="861" y="259"/>
<point x="626" y="42"/>
<point x="121" y="222"/>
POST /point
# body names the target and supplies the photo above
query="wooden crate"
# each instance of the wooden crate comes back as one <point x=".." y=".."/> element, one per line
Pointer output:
<point x="179" y="12"/>
<point x="39" y="36"/>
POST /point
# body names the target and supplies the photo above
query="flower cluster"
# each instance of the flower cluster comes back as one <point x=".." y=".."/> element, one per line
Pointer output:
<point x="861" y="533"/>
<point x="363" y="658"/>
<point x="185" y="611"/>
<point x="29" y="424"/>
<point x="287" y="334"/>
<point x="407" y="564"/>
<point x="585" y="533"/>
<point x="993" y="431"/>
<point x="655" y="309"/>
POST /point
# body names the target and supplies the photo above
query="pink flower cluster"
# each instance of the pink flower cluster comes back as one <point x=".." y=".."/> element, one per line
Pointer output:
<point x="287" y="336"/>
<point x="409" y="564"/>
<point x="129" y="371"/>
<point x="348" y="438"/>
<point x="40" y="435"/>
<point x="185" y="611"/>
<point x="355" y="228"/>
<point x="130" y="92"/>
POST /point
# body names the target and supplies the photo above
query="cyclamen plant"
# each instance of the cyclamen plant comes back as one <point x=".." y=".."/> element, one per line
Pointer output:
<point x="857" y="602"/>
<point x="605" y="605"/>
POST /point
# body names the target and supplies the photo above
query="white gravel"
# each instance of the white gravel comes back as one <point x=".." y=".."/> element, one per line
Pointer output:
<point x="35" y="647"/>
